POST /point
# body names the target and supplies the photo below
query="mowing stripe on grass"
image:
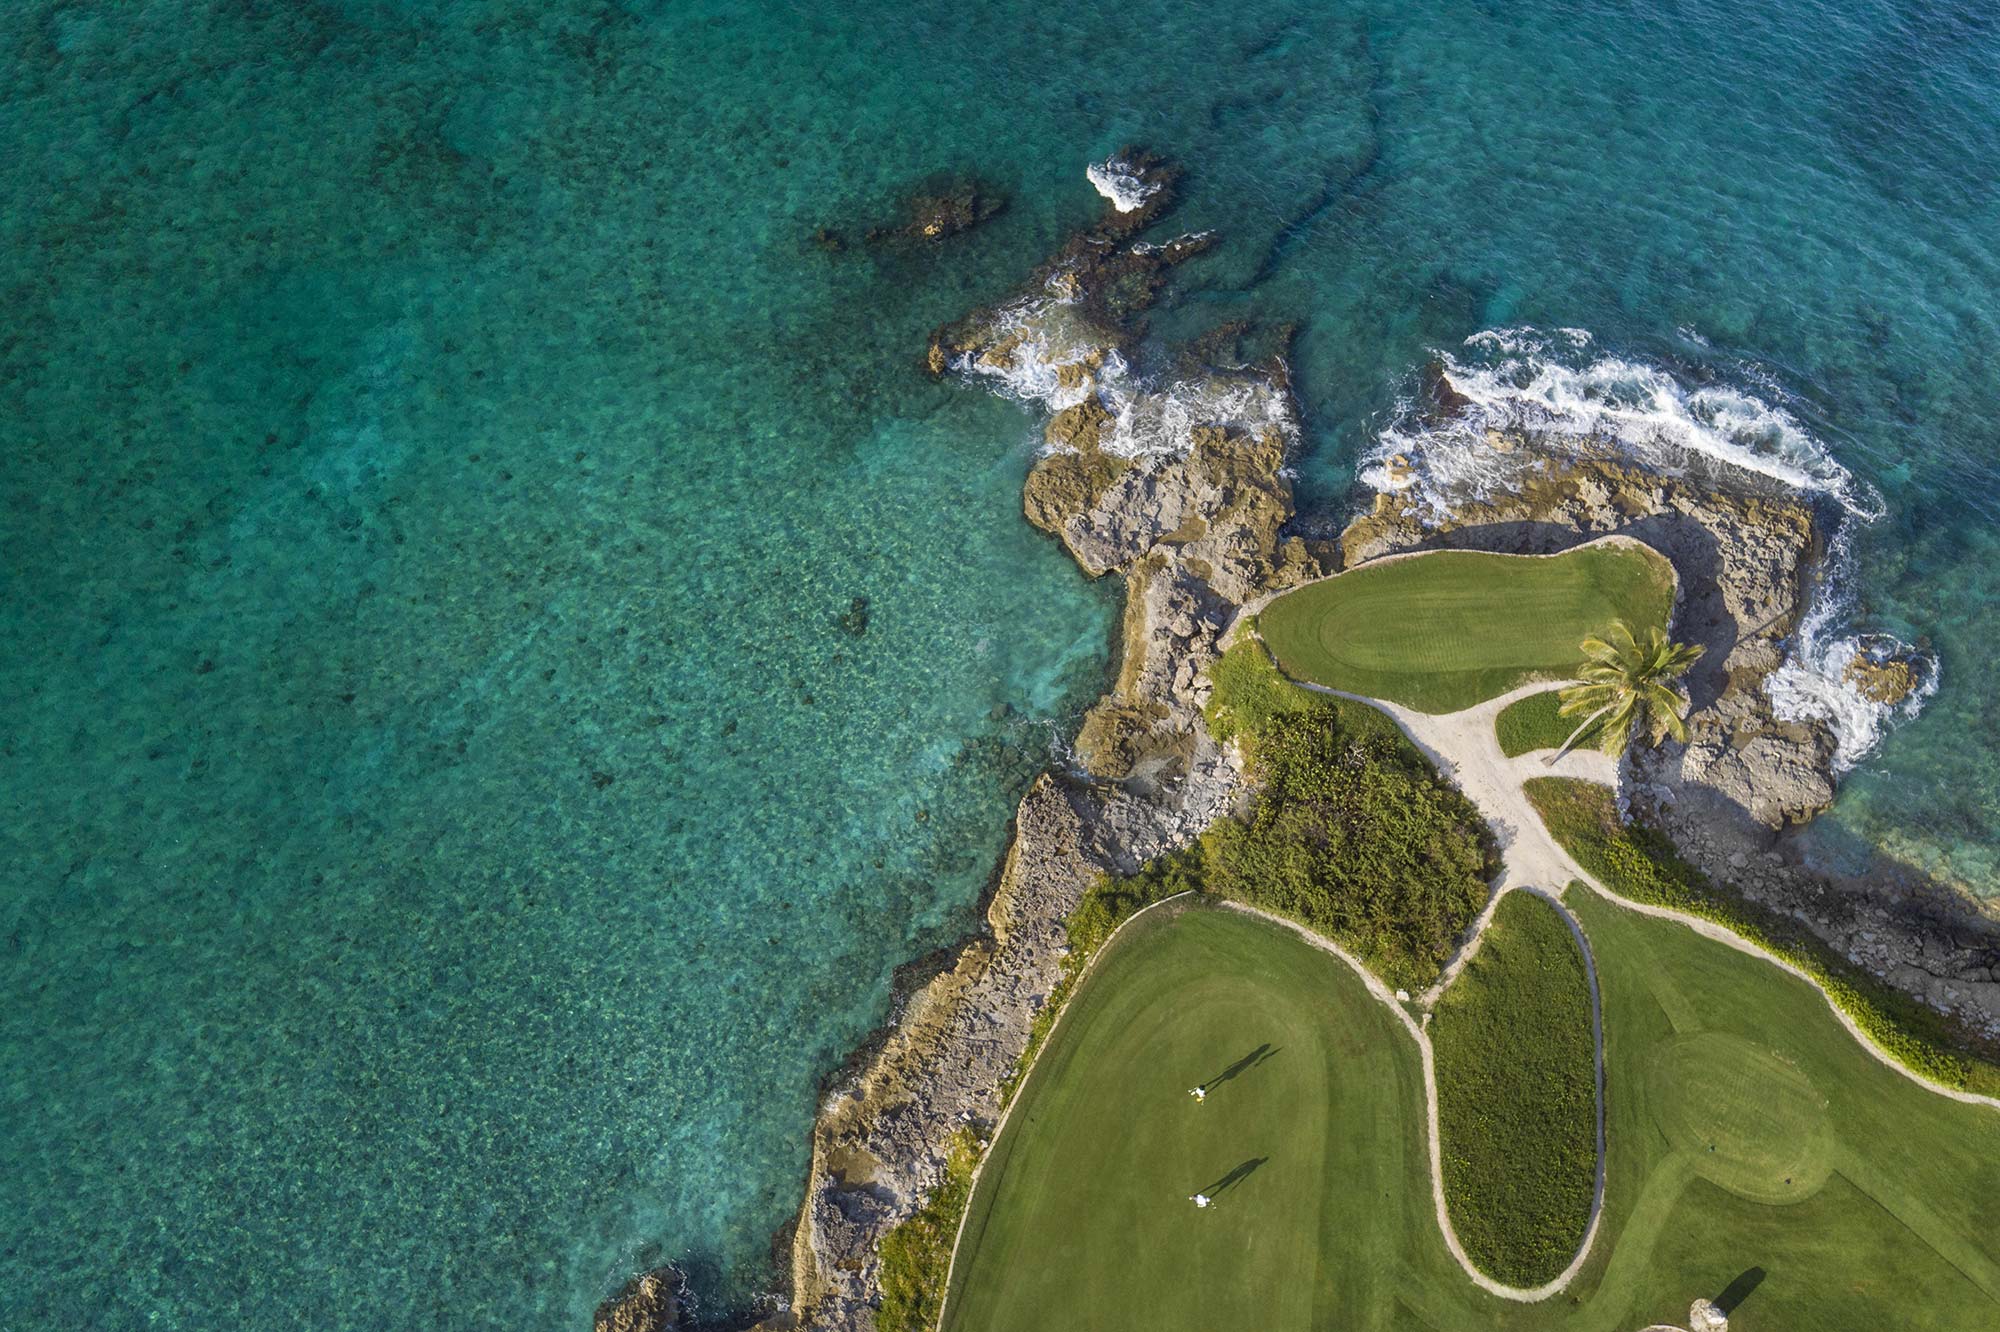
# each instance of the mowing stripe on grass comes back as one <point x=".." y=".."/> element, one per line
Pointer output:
<point x="1443" y="630"/>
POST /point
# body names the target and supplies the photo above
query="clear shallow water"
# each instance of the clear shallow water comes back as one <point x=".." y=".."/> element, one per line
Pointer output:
<point x="449" y="830"/>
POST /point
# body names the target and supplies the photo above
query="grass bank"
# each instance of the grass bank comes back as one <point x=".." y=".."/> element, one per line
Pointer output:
<point x="1641" y="864"/>
<point x="1444" y="630"/>
<point x="1536" y="722"/>
<point x="1517" y="1096"/>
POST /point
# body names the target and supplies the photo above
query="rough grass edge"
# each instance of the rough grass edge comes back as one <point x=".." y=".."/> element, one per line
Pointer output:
<point x="1640" y="863"/>
<point x="917" y="1252"/>
<point x="1499" y="1244"/>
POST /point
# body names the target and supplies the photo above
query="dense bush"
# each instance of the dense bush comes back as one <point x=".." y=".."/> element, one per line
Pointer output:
<point x="1517" y="1096"/>
<point x="1639" y="862"/>
<point x="1351" y="838"/>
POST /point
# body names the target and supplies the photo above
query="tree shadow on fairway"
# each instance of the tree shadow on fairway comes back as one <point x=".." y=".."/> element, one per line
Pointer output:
<point x="1235" y="1177"/>
<point x="1243" y="1065"/>
<point x="1739" y="1290"/>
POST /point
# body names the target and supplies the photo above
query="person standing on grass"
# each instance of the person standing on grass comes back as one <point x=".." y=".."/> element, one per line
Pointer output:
<point x="1200" y="1094"/>
<point x="1200" y="1199"/>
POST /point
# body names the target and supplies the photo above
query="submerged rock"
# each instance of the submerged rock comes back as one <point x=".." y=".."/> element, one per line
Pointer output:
<point x="655" y="1302"/>
<point x="1179" y="486"/>
<point x="944" y="207"/>
<point x="1885" y="670"/>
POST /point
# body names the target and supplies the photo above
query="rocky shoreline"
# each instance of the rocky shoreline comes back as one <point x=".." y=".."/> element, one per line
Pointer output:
<point x="1179" y="487"/>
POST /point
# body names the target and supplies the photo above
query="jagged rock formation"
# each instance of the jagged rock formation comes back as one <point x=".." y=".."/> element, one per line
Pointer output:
<point x="1195" y="527"/>
<point x="655" y="1302"/>
<point x="1747" y="779"/>
<point x="1743" y="550"/>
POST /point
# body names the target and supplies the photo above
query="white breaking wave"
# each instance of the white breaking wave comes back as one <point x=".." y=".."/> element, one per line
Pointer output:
<point x="1551" y="388"/>
<point x="1117" y="181"/>
<point x="1037" y="344"/>
<point x="1814" y="680"/>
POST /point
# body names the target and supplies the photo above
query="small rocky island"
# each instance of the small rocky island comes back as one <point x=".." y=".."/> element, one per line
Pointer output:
<point x="1177" y="484"/>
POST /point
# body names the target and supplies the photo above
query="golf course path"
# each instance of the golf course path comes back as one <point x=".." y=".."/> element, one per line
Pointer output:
<point x="1466" y="748"/>
<point x="1428" y="1058"/>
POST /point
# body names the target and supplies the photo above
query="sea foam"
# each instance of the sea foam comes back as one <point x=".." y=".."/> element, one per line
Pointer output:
<point x="1559" y="390"/>
<point x="1041" y="351"/>
<point x="1117" y="180"/>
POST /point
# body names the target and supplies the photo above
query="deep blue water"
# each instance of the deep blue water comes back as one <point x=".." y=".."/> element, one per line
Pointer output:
<point x="449" y="827"/>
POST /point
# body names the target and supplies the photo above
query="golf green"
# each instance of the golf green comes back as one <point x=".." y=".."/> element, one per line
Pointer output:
<point x="1445" y="630"/>
<point x="1755" y="1154"/>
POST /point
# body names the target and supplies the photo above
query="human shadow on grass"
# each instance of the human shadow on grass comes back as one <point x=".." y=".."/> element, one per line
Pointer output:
<point x="1234" y="1177"/>
<point x="1241" y="1066"/>
<point x="1739" y="1290"/>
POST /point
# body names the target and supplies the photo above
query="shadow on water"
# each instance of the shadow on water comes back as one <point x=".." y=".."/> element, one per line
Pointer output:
<point x="1243" y="1065"/>
<point x="1235" y="1177"/>
<point x="1739" y="1291"/>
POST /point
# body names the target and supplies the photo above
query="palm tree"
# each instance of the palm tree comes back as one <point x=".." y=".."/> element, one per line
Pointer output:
<point x="1626" y="684"/>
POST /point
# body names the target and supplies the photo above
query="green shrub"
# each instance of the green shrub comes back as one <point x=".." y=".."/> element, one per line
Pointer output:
<point x="1353" y="840"/>
<point x="916" y="1255"/>
<point x="1640" y="863"/>
<point x="1517" y="1096"/>
<point x="1536" y="722"/>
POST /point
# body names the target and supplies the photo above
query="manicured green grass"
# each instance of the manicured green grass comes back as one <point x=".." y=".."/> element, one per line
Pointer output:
<point x="1752" y="1143"/>
<point x="1535" y="722"/>
<point x="1445" y="630"/>
<point x="1081" y="1218"/>
<point x="1517" y="1096"/>
<point x="1642" y="865"/>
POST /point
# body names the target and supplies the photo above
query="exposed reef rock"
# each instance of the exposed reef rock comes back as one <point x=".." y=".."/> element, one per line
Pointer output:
<point x="1177" y="486"/>
<point x="1735" y="796"/>
<point x="1174" y="480"/>
<point x="655" y="1302"/>
<point x="1743" y="549"/>
<point x="1885" y="670"/>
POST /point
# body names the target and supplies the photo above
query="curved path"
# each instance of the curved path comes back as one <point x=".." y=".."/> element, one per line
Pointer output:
<point x="1466" y="748"/>
<point x="1381" y="991"/>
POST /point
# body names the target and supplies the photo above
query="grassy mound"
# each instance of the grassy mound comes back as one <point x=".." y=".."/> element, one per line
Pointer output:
<point x="1445" y="630"/>
<point x="1353" y="834"/>
<point x="1517" y="1096"/>
<point x="1639" y="863"/>
<point x="1535" y="722"/>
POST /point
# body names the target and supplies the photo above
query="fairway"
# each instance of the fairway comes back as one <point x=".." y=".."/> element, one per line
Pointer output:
<point x="1754" y="1149"/>
<point x="1081" y="1218"/>
<point x="1445" y="630"/>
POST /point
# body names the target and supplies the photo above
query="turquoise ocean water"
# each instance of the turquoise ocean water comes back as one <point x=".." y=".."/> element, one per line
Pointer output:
<point x="455" y="809"/>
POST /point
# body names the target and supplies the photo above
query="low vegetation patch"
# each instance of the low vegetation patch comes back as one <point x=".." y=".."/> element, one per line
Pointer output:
<point x="1445" y="630"/>
<point x="916" y="1255"/>
<point x="1640" y="863"/>
<point x="1535" y="722"/>
<point x="1517" y="1096"/>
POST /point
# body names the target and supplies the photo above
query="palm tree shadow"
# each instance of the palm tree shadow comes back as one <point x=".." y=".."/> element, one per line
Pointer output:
<point x="1235" y="1177"/>
<point x="1739" y="1290"/>
<point x="1243" y="1065"/>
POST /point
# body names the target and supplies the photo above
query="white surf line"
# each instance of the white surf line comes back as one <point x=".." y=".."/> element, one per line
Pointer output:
<point x="1006" y="1111"/>
<point x="1380" y="990"/>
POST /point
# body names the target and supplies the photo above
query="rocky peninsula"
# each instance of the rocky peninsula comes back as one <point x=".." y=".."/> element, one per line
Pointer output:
<point x="1176" y="482"/>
